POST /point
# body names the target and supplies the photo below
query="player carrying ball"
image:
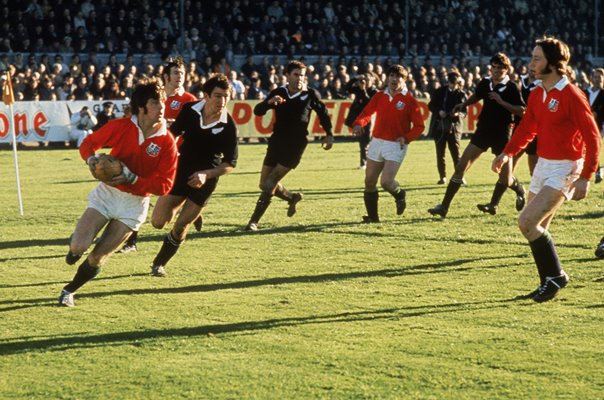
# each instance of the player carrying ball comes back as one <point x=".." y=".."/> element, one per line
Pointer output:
<point x="148" y="154"/>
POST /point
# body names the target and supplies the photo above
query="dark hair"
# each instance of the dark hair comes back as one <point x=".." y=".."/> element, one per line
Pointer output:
<point x="216" y="81"/>
<point x="556" y="53"/>
<point x="398" y="70"/>
<point x="501" y="59"/>
<point x="146" y="89"/>
<point x="177" y="62"/>
<point x="295" y="64"/>
<point x="453" y="76"/>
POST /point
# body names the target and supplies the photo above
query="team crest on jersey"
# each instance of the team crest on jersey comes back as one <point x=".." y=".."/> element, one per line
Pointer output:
<point x="553" y="105"/>
<point x="175" y="104"/>
<point x="153" y="150"/>
<point x="400" y="105"/>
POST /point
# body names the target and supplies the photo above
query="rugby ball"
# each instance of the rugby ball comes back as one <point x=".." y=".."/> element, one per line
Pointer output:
<point x="107" y="168"/>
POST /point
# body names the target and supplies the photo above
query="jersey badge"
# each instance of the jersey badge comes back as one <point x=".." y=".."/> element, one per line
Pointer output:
<point x="153" y="150"/>
<point x="216" y="131"/>
<point x="400" y="105"/>
<point x="175" y="104"/>
<point x="553" y="105"/>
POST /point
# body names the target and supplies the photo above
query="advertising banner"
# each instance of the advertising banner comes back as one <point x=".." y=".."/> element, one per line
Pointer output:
<point x="49" y="121"/>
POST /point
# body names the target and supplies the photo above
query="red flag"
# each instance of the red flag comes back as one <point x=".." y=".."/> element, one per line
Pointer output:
<point x="7" y="91"/>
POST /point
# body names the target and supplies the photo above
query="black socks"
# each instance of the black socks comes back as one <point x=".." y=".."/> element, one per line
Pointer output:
<point x="168" y="249"/>
<point x="371" y="205"/>
<point x="85" y="273"/>
<point x="546" y="257"/>
<point x="261" y="205"/>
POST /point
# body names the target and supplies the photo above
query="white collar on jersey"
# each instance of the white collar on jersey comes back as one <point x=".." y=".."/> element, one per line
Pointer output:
<point x="559" y="86"/>
<point x="304" y="88"/>
<point x="199" y="106"/>
<point x="504" y="82"/>
<point x="163" y="129"/>
<point x="403" y="92"/>
<point x="179" y="92"/>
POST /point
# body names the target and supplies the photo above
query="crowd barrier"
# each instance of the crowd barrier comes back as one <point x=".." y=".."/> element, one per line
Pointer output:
<point x="49" y="121"/>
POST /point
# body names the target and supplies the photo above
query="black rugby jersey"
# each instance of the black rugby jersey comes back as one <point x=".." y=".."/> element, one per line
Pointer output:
<point x="493" y="116"/>
<point x="292" y="117"/>
<point x="204" y="146"/>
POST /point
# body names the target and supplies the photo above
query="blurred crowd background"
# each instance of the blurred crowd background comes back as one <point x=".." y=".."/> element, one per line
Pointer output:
<point x="97" y="50"/>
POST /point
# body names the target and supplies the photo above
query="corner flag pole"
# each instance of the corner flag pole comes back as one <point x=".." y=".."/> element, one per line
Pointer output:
<point x="9" y="99"/>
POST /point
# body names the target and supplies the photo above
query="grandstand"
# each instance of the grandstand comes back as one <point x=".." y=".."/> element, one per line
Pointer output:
<point x="80" y="49"/>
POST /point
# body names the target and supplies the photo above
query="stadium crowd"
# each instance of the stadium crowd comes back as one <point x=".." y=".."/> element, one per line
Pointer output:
<point x="52" y="46"/>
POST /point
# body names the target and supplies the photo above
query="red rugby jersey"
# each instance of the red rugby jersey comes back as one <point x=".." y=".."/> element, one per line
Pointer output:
<point x="394" y="116"/>
<point x="563" y="122"/>
<point x="153" y="159"/>
<point x="174" y="103"/>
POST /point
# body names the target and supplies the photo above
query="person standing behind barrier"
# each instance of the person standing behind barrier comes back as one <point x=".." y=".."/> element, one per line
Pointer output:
<point x="362" y="88"/>
<point x="398" y="122"/>
<point x="176" y="97"/>
<point x="558" y="114"/>
<point x="445" y="127"/>
<point x="147" y="152"/>
<point x="292" y="104"/>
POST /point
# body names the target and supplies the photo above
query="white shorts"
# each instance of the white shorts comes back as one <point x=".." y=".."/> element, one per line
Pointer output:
<point x="381" y="150"/>
<point x="557" y="174"/>
<point x="121" y="206"/>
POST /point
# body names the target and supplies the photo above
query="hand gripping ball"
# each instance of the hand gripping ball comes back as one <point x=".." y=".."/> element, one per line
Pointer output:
<point x="107" y="167"/>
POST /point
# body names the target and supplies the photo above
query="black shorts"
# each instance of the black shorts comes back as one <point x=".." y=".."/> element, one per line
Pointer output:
<point x="531" y="149"/>
<point x="199" y="196"/>
<point x="285" y="152"/>
<point x="485" y="139"/>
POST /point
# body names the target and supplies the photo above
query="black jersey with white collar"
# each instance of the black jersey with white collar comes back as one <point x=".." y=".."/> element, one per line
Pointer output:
<point x="493" y="115"/>
<point x="204" y="146"/>
<point x="292" y="116"/>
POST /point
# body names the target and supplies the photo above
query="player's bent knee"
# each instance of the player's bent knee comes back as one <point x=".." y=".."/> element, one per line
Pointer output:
<point x="526" y="225"/>
<point x="97" y="259"/>
<point x="389" y="186"/>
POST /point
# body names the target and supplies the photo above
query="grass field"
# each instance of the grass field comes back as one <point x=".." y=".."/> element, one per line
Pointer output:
<point x="316" y="306"/>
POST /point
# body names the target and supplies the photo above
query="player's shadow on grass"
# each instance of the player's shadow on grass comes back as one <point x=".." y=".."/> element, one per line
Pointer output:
<point x="13" y="244"/>
<point x="586" y="215"/>
<point x="449" y="267"/>
<point x="30" y="258"/>
<point x="39" y="284"/>
<point x="133" y="338"/>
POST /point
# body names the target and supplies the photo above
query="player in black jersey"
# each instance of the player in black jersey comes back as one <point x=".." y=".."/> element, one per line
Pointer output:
<point x="292" y="105"/>
<point x="501" y="101"/>
<point x="528" y="84"/>
<point x="208" y="151"/>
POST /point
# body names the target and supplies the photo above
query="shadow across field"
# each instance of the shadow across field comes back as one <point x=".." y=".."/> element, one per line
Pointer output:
<point x="433" y="268"/>
<point x="104" y="278"/>
<point x="131" y="338"/>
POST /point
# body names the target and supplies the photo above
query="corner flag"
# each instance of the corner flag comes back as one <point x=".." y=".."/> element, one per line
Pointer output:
<point x="8" y="96"/>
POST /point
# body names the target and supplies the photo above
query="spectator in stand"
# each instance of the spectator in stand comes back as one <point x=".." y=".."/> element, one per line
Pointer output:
<point x="255" y="91"/>
<point x="237" y="86"/>
<point x="105" y="115"/>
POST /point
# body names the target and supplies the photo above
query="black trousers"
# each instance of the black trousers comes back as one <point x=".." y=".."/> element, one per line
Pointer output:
<point x="450" y="137"/>
<point x="364" y="140"/>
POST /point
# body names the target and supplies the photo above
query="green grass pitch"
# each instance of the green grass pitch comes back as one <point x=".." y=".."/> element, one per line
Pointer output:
<point x="314" y="306"/>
